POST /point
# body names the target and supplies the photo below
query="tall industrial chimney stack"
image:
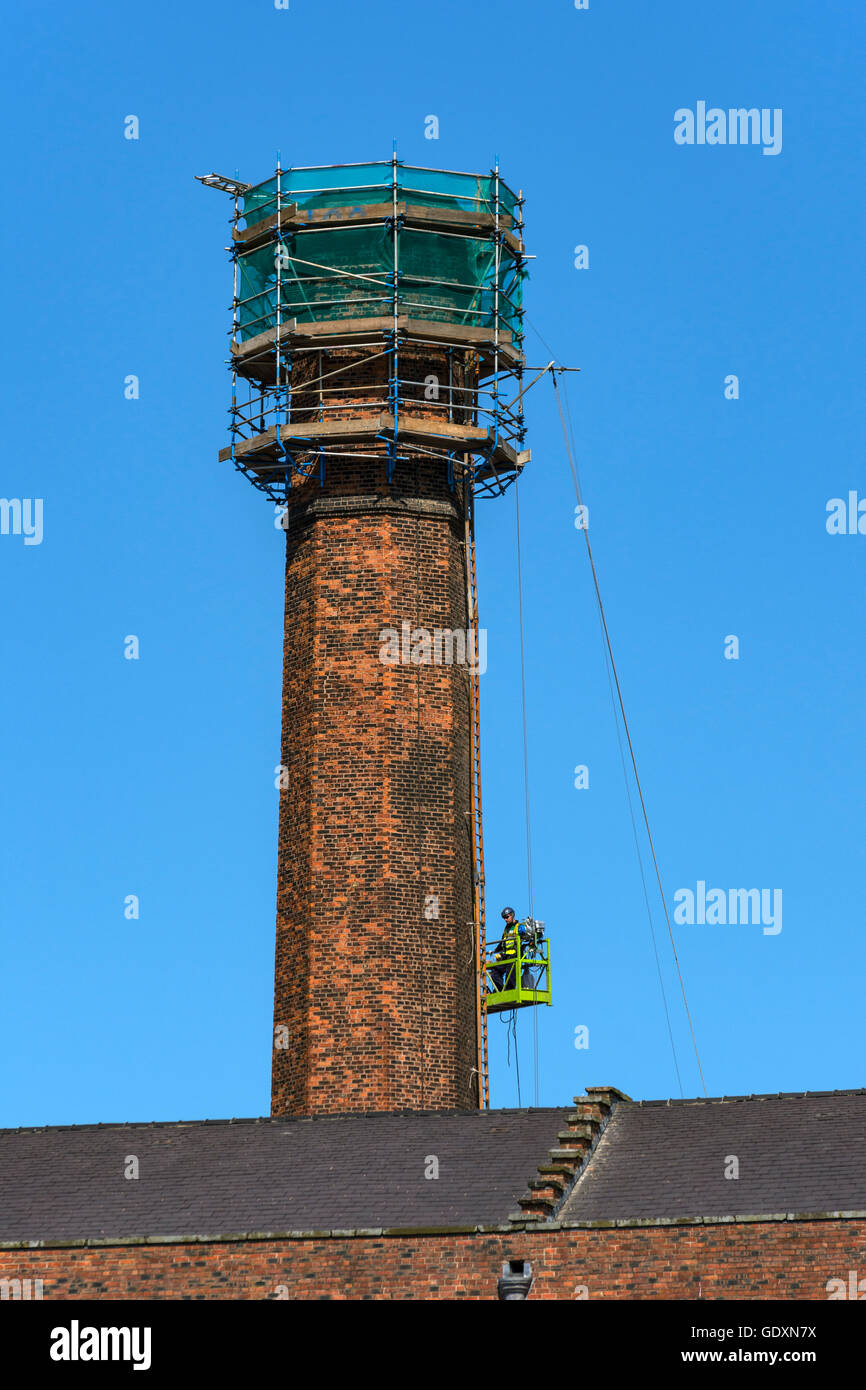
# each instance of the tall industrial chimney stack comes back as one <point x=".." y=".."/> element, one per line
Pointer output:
<point x="376" y="344"/>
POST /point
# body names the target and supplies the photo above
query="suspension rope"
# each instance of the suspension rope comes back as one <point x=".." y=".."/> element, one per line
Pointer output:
<point x="628" y="798"/>
<point x="609" y="647"/>
<point x="510" y="1020"/>
<point x="640" y="863"/>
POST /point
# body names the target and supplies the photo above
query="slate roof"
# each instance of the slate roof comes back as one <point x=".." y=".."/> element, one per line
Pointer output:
<point x="800" y="1153"/>
<point x="211" y="1178"/>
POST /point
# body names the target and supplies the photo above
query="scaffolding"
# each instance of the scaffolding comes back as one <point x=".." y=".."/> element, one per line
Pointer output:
<point x="340" y="266"/>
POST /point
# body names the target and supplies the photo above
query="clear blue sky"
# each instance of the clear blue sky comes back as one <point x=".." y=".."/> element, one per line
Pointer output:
<point x="155" y="777"/>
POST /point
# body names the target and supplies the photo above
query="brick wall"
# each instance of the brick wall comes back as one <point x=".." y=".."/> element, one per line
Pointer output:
<point x="374" y="982"/>
<point x="340" y="383"/>
<point x="767" y="1259"/>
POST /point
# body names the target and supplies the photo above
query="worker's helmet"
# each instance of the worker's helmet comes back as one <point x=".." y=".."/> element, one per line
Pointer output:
<point x="508" y="912"/>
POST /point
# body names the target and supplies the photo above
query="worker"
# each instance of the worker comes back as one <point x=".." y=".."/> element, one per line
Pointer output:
<point x="507" y="949"/>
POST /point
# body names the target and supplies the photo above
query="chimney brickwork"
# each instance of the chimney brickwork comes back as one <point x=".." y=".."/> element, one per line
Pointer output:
<point x="375" y="974"/>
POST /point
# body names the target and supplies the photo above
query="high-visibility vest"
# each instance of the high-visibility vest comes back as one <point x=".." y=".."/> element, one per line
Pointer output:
<point x="509" y="942"/>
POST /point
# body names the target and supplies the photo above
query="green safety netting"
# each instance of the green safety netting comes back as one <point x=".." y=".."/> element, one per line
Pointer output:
<point x="362" y="184"/>
<point x="347" y="272"/>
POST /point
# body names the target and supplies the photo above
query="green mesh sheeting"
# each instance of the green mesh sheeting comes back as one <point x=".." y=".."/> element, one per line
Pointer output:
<point x="357" y="185"/>
<point x="347" y="272"/>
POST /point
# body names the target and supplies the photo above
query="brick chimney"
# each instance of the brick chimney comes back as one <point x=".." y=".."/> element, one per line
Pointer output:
<point x="375" y="977"/>
<point x="376" y="365"/>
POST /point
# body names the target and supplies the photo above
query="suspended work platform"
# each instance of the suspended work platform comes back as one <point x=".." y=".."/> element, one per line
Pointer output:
<point x="517" y="982"/>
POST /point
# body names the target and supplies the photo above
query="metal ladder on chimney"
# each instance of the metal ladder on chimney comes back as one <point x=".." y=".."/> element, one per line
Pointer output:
<point x="477" y="828"/>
